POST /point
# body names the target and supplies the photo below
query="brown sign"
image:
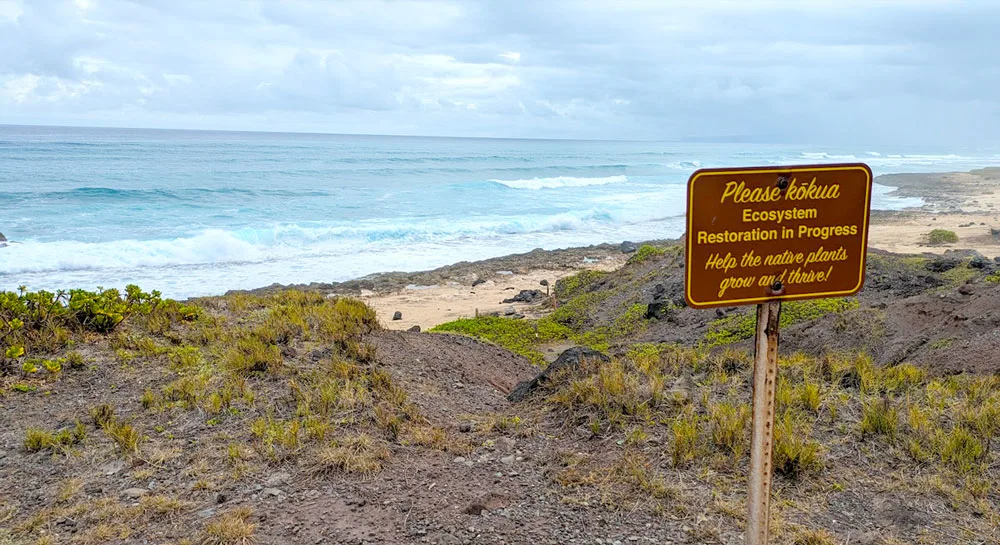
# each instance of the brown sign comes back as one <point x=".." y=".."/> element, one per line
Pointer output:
<point x="776" y="233"/>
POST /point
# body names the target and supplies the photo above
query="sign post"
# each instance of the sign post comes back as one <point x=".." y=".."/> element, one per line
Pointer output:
<point x="763" y="235"/>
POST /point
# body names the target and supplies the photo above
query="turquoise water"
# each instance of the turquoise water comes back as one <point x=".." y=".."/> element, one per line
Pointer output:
<point x="195" y="213"/>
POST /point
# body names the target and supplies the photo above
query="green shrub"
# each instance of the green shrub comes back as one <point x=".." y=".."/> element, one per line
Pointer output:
<point x="44" y="320"/>
<point x="646" y="252"/>
<point x="738" y="327"/>
<point x="518" y="336"/>
<point x="942" y="236"/>
<point x="578" y="284"/>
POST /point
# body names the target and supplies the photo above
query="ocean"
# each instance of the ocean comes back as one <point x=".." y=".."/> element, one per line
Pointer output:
<point x="197" y="213"/>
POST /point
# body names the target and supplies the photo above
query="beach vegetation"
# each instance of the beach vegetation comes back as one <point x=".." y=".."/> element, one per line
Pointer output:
<point x="646" y="252"/>
<point x="941" y="236"/>
<point x="577" y="284"/>
<point x="738" y="327"/>
<point x="519" y="336"/>
<point x="46" y="321"/>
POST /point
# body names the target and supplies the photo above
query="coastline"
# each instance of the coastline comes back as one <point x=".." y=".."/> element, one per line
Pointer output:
<point x="967" y="203"/>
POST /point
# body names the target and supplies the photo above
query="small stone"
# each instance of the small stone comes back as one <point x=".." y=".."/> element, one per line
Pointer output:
<point x="221" y="498"/>
<point x="507" y="460"/>
<point x="414" y="329"/>
<point x="397" y="315"/>
<point x="459" y="460"/>
<point x="113" y="467"/>
<point x="465" y="427"/>
<point x="134" y="493"/>
<point x="277" y="479"/>
<point x="206" y="513"/>
<point x="272" y="492"/>
<point x="509" y="311"/>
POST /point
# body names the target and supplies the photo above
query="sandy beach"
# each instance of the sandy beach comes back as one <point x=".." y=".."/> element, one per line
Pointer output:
<point x="967" y="203"/>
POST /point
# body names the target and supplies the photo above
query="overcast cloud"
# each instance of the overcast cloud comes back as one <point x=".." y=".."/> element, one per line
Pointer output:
<point x="823" y="72"/>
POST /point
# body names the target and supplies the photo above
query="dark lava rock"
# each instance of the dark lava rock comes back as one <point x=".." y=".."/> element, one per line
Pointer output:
<point x="658" y="291"/>
<point x="414" y="329"/>
<point x="320" y="354"/>
<point x="397" y="315"/>
<point x="658" y="309"/>
<point x="569" y="359"/>
<point x="3" y="238"/>
<point x="478" y="281"/>
<point x="628" y="247"/>
<point x="943" y="264"/>
<point x="525" y="296"/>
<point x="465" y="427"/>
<point x="979" y="261"/>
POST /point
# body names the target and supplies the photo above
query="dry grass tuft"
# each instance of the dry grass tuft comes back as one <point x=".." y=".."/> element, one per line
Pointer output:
<point x="230" y="528"/>
<point x="362" y="454"/>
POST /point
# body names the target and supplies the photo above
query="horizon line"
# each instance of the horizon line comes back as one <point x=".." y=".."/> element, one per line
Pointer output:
<point x="690" y="139"/>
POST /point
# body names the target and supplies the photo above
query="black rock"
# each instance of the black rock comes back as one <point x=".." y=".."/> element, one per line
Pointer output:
<point x="719" y="313"/>
<point x="414" y="329"/>
<point x="628" y="247"/>
<point x="658" y="309"/>
<point x="397" y="315"/>
<point x="980" y="261"/>
<point x="465" y="427"/>
<point x="525" y="296"/>
<point x="942" y="264"/>
<point x="658" y="291"/>
<point x="478" y="281"/>
<point x="3" y="238"/>
<point x="569" y="359"/>
<point x="320" y="353"/>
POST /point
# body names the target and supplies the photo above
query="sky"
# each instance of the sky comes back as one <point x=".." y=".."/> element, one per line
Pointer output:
<point x="907" y="72"/>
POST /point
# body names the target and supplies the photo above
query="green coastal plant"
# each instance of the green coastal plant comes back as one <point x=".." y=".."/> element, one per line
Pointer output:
<point x="518" y="336"/>
<point x="646" y="252"/>
<point x="46" y="321"/>
<point x="942" y="236"/>
<point x="738" y="327"/>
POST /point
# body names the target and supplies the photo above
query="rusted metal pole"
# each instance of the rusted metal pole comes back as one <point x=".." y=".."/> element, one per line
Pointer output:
<point x="765" y="375"/>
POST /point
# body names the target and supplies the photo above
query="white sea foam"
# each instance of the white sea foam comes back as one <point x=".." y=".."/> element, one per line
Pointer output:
<point x="561" y="181"/>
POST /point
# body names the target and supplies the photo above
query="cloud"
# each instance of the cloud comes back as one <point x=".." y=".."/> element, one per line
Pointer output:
<point x="820" y="72"/>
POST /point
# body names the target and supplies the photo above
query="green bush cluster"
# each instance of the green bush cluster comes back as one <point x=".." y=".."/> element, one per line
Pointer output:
<point x="738" y="327"/>
<point x="518" y="336"/>
<point x="46" y="321"/>
<point x="572" y="286"/>
<point x="646" y="252"/>
<point x="942" y="236"/>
